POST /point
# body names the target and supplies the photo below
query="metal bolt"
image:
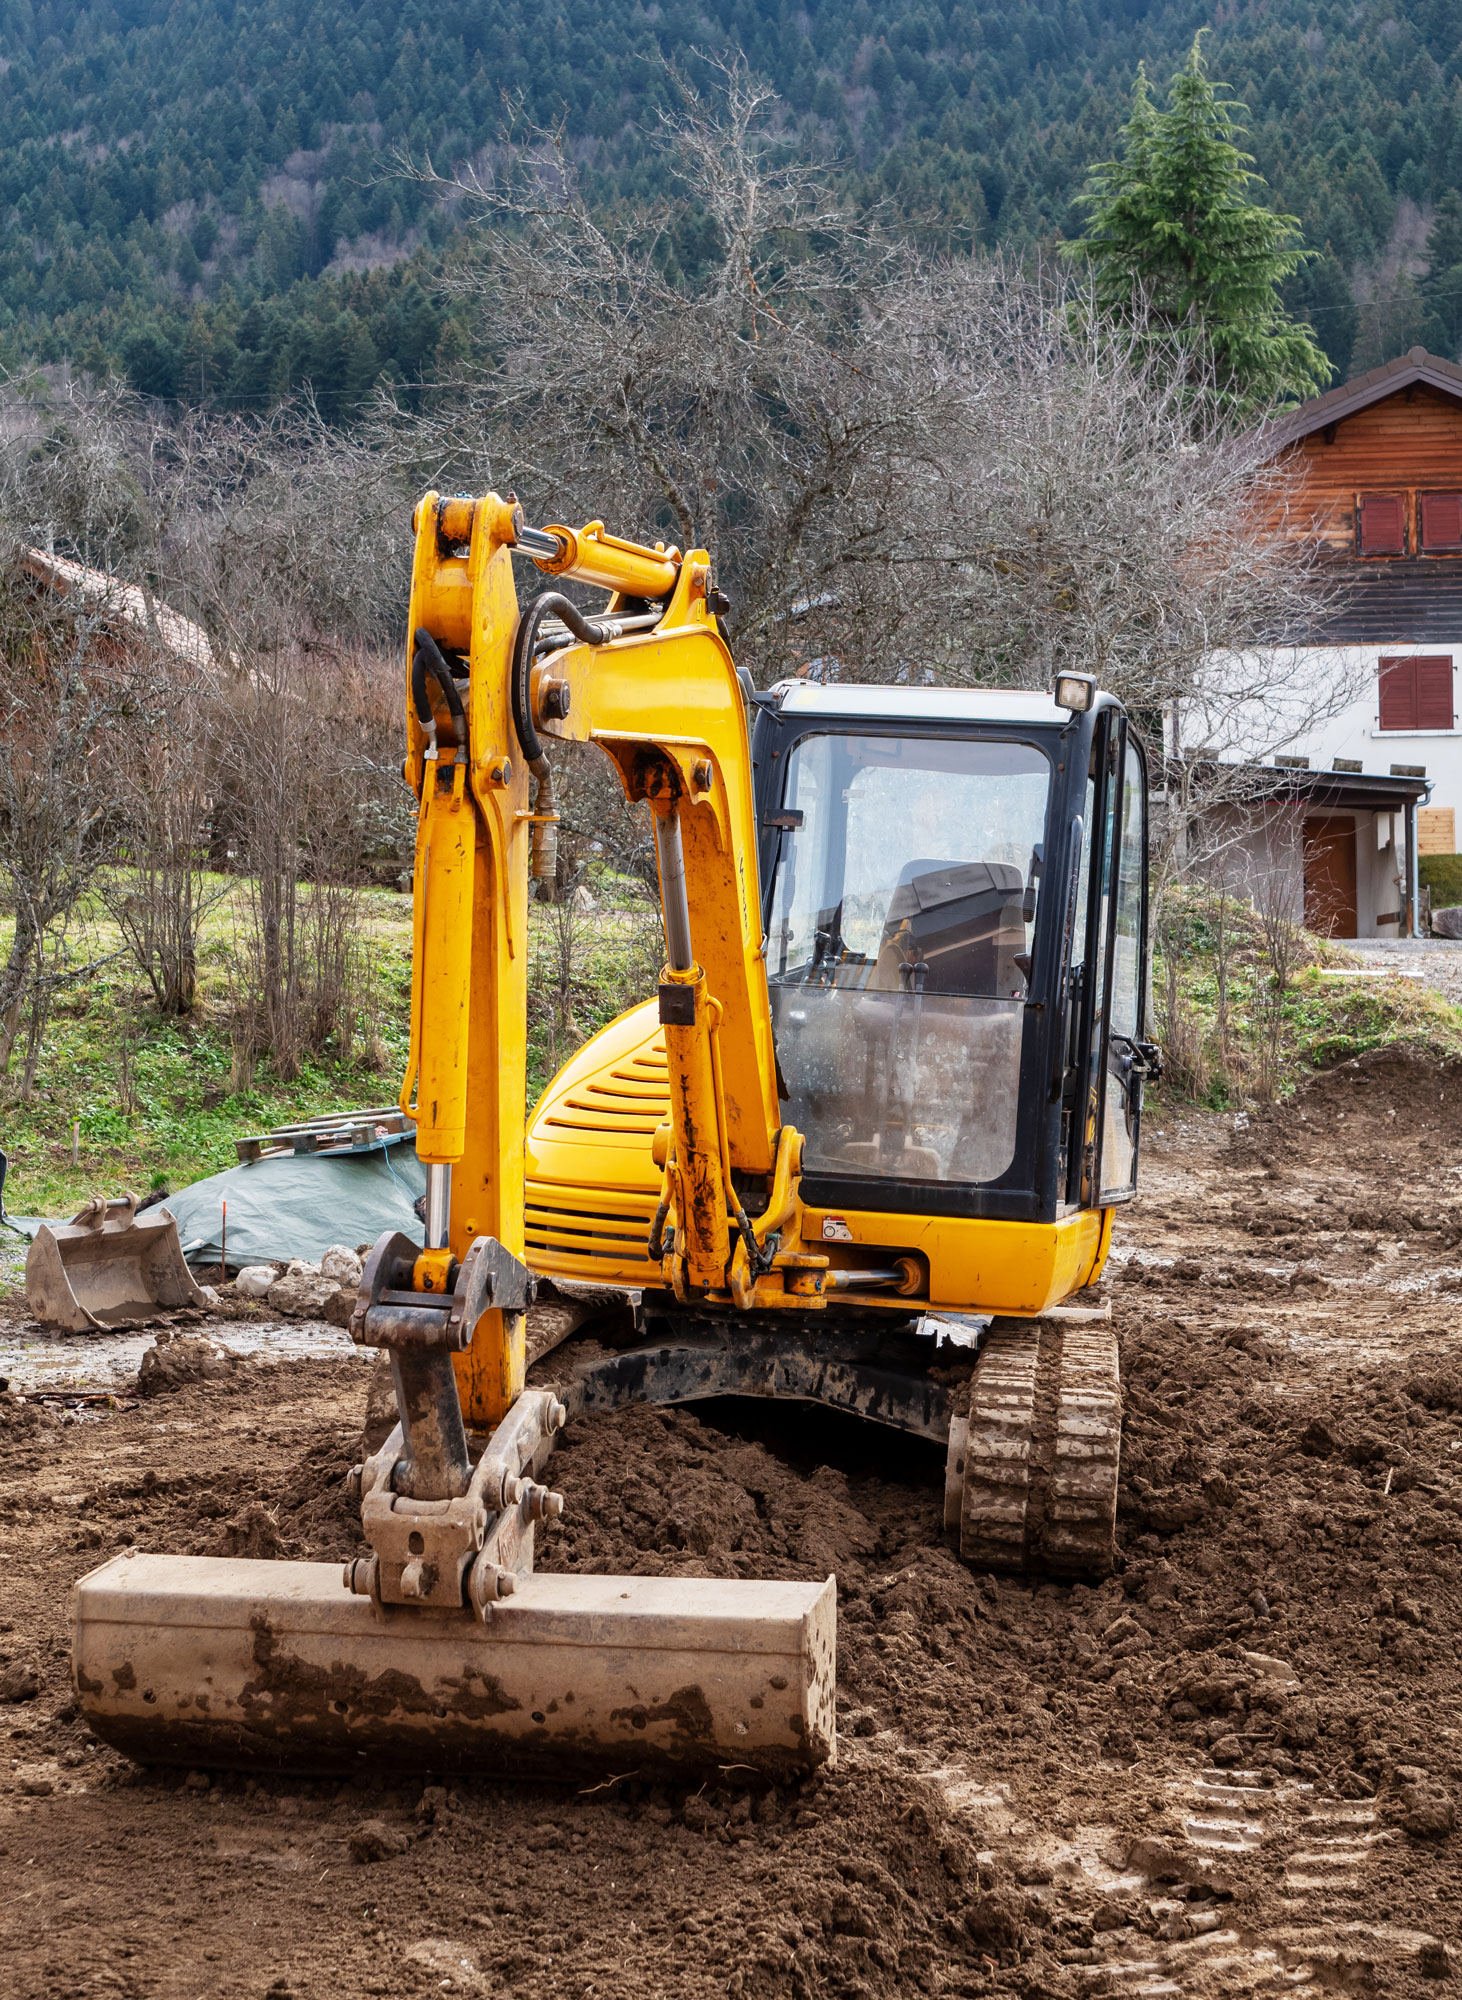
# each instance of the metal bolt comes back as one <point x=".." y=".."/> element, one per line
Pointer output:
<point x="487" y="1584"/>
<point x="700" y="776"/>
<point x="554" y="700"/>
<point x="360" y="1576"/>
<point x="558" y="1416"/>
<point x="541" y="1505"/>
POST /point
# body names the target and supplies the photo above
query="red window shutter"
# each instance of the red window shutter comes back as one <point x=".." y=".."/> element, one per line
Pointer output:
<point x="1433" y="691"/>
<point x="1398" y="694"/>
<point x="1382" y="525"/>
<point x="1441" y="520"/>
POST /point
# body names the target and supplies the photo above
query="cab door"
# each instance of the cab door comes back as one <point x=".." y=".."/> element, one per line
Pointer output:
<point x="1115" y="1056"/>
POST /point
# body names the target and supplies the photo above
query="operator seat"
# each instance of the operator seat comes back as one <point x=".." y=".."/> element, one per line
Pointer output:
<point x="964" y="920"/>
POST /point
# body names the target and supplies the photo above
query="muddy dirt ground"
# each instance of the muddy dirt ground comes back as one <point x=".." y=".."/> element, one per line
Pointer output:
<point x="1230" y="1769"/>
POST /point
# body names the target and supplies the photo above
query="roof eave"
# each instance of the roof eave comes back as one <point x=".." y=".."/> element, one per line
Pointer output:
<point x="1431" y="371"/>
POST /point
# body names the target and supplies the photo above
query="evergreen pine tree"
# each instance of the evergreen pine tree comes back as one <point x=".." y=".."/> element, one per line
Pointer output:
<point x="1173" y="229"/>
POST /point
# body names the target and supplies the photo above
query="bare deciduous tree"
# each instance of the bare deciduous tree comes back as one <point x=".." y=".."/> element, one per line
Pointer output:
<point x="290" y="545"/>
<point x="67" y="693"/>
<point x="937" y="471"/>
<point x="691" y="369"/>
<point x="159" y="893"/>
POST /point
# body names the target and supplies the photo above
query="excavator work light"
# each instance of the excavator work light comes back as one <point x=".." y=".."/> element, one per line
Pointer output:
<point x="1076" y="692"/>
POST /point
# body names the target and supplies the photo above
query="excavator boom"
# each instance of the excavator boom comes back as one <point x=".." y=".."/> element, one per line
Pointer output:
<point x="441" y="1644"/>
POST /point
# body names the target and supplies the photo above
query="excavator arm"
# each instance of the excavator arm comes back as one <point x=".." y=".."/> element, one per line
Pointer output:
<point x="443" y="1646"/>
<point x="486" y="689"/>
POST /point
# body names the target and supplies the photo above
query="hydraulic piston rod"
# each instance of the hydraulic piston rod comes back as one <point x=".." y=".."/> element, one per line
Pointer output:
<point x="674" y="899"/>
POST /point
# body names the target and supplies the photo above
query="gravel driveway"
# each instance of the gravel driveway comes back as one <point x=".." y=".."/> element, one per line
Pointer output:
<point x="1438" y="960"/>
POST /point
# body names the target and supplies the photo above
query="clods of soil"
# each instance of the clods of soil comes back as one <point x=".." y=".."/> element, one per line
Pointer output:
<point x="1233" y="1767"/>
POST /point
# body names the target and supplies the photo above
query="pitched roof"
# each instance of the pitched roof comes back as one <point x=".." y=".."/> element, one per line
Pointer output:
<point x="108" y="594"/>
<point x="1416" y="365"/>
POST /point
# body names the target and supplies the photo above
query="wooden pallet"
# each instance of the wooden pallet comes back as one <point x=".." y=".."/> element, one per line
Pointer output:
<point x="341" y="1132"/>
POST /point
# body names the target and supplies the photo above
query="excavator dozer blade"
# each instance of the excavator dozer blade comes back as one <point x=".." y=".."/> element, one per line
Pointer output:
<point x="110" y="1267"/>
<point x="211" y="1661"/>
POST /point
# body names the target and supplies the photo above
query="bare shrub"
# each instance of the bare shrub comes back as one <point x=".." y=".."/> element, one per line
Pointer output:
<point x="159" y="894"/>
<point x="298" y="964"/>
<point x="1284" y="948"/>
<point x="69" y="695"/>
<point x="1179" y="1024"/>
<point x="299" y="569"/>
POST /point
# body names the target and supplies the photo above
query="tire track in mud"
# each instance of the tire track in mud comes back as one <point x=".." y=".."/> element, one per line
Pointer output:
<point x="1317" y="1850"/>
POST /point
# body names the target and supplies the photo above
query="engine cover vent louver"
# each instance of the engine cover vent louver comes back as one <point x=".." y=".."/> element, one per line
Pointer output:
<point x="600" y="1234"/>
<point x="632" y="1098"/>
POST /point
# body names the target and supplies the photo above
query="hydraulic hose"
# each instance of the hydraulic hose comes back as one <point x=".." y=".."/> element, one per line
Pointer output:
<point x="429" y="663"/>
<point x="655" y="1248"/>
<point x="588" y="631"/>
<point x="543" y="841"/>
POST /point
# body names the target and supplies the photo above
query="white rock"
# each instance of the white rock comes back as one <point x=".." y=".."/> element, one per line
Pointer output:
<point x="300" y="1269"/>
<point x="301" y="1294"/>
<point x="341" y="1263"/>
<point x="254" y="1280"/>
<point x="210" y="1294"/>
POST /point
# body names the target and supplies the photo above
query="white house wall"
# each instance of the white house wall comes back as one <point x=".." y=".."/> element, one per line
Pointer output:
<point x="1323" y="704"/>
<point x="1259" y="730"/>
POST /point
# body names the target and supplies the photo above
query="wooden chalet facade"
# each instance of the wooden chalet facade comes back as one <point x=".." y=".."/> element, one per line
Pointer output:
<point x="1379" y="783"/>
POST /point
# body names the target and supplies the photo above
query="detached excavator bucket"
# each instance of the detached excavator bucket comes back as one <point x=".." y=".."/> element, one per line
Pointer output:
<point x="211" y="1661"/>
<point x="109" y="1267"/>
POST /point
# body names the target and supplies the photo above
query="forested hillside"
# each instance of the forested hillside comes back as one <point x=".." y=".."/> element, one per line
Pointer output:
<point x="202" y="190"/>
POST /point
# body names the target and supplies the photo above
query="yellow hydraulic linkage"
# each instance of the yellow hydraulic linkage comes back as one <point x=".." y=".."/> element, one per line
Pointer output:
<point x="475" y="738"/>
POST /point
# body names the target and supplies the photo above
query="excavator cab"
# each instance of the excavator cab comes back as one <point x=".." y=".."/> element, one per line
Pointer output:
<point x="953" y="922"/>
<point x="956" y="919"/>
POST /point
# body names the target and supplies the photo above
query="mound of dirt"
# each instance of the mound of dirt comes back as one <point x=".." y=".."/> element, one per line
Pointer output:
<point x="175" y="1361"/>
<point x="1364" y="1102"/>
<point x="1235" y="1763"/>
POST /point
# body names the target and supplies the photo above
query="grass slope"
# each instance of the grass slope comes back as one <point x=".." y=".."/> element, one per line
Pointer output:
<point x="150" y="1098"/>
<point x="1246" y="1012"/>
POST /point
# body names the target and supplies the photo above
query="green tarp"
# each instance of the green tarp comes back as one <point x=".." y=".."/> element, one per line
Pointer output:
<point x="298" y="1204"/>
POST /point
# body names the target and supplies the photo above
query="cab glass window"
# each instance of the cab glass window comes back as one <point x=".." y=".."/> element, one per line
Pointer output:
<point x="903" y="918"/>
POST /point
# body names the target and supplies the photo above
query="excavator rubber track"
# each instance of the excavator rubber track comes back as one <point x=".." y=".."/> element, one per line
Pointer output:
<point x="1033" y="1464"/>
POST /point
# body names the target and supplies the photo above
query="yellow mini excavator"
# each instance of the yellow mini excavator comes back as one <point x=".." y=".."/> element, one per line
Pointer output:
<point x="861" y="1148"/>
